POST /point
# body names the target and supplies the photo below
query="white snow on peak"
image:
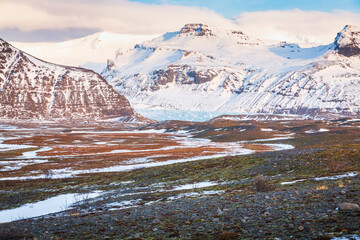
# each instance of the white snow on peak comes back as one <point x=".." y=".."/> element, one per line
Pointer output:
<point x="202" y="39"/>
<point x="350" y="34"/>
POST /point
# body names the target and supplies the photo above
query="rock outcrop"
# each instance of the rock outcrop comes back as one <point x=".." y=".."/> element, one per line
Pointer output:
<point x="196" y="29"/>
<point x="348" y="206"/>
<point x="347" y="41"/>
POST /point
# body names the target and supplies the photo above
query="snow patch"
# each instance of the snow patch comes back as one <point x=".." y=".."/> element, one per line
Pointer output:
<point x="349" y="237"/>
<point x="195" y="185"/>
<point x="123" y="204"/>
<point x="280" y="147"/>
<point x="195" y="194"/>
<point x="346" y="175"/>
<point x="266" y="129"/>
<point x="33" y="154"/>
<point x="316" y="131"/>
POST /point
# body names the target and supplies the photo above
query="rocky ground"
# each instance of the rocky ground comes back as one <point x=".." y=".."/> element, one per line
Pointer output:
<point x="299" y="213"/>
<point x="246" y="200"/>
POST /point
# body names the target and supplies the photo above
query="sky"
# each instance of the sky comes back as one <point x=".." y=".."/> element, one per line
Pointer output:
<point x="315" y="21"/>
<point x="231" y="8"/>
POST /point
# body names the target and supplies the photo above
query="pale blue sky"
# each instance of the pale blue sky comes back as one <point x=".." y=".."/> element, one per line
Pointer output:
<point x="230" y="8"/>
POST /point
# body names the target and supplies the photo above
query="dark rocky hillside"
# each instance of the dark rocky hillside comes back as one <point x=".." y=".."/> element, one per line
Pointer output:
<point x="33" y="89"/>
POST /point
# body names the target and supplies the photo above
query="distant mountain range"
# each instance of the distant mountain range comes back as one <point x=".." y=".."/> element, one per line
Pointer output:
<point x="34" y="89"/>
<point x="203" y="69"/>
<point x="89" y="52"/>
<point x="198" y="69"/>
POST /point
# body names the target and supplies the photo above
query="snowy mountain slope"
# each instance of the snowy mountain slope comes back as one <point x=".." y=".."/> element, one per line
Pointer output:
<point x="89" y="52"/>
<point x="33" y="89"/>
<point x="202" y="69"/>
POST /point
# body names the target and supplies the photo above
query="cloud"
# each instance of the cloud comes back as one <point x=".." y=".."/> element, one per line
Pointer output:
<point x="46" y="35"/>
<point x="296" y="25"/>
<point x="127" y="17"/>
<point x="119" y="16"/>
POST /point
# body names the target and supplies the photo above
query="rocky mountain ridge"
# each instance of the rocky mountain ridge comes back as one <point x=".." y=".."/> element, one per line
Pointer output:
<point x="347" y="42"/>
<point x="203" y="69"/>
<point x="34" y="89"/>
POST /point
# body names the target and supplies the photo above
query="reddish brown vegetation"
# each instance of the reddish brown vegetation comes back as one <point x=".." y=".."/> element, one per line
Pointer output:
<point x="262" y="185"/>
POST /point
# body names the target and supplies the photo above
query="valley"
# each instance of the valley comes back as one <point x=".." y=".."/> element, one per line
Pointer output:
<point x="180" y="180"/>
<point x="202" y="133"/>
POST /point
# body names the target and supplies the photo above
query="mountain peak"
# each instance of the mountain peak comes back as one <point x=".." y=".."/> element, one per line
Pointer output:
<point x="347" y="41"/>
<point x="352" y="28"/>
<point x="196" y="29"/>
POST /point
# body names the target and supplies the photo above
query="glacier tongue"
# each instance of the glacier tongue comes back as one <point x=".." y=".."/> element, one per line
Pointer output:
<point x="165" y="114"/>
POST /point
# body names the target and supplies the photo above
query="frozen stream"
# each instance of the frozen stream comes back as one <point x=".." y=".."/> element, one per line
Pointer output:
<point x="51" y="205"/>
<point x="9" y="147"/>
<point x="26" y="159"/>
<point x="33" y="154"/>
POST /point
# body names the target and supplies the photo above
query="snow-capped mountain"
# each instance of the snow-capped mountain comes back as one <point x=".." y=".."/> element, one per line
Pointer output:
<point x="202" y="69"/>
<point x="89" y="52"/>
<point x="347" y="42"/>
<point x="34" y="89"/>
